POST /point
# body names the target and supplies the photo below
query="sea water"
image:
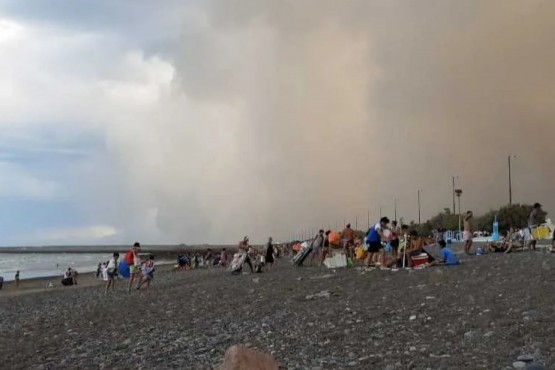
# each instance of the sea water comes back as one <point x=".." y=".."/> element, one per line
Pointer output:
<point x="35" y="265"/>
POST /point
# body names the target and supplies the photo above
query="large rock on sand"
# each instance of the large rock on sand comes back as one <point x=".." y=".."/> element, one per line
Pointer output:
<point x="243" y="358"/>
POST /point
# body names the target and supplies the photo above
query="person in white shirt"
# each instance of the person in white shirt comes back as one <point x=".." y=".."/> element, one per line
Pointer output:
<point x="112" y="271"/>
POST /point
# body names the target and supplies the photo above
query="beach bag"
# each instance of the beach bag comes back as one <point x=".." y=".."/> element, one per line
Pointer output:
<point x="299" y="258"/>
<point x="237" y="263"/>
<point x="360" y="253"/>
<point x="334" y="239"/>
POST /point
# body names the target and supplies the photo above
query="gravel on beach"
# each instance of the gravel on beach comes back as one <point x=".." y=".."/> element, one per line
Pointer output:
<point x="483" y="314"/>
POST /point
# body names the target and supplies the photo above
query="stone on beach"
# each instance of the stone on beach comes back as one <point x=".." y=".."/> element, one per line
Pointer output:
<point x="239" y="357"/>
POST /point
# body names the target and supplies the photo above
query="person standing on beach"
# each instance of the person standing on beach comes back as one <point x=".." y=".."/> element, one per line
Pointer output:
<point x="245" y="247"/>
<point x="17" y="279"/>
<point x="326" y="248"/>
<point x="533" y="221"/>
<point x="394" y="239"/>
<point x="112" y="271"/>
<point x="133" y="261"/>
<point x="269" y="254"/>
<point x="467" y="233"/>
<point x="374" y="239"/>
<point x="348" y="237"/>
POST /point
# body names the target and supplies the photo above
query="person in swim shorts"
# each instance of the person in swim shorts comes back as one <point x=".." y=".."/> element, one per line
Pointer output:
<point x="467" y="233"/>
<point x="374" y="239"/>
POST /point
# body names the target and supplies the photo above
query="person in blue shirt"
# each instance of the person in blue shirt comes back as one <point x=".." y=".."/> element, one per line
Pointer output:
<point x="449" y="258"/>
<point x="374" y="239"/>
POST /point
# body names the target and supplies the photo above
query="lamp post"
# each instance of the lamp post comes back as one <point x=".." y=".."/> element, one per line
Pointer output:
<point x="454" y="209"/>
<point x="458" y="192"/>
<point x="510" y="181"/>
<point x="395" y="209"/>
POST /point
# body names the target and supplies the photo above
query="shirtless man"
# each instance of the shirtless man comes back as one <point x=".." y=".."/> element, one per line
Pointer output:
<point x="467" y="234"/>
<point x="348" y="237"/>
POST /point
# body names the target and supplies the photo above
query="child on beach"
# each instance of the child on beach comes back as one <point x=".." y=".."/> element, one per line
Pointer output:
<point x="147" y="271"/>
<point x="17" y="279"/>
<point x="449" y="258"/>
<point x="112" y="271"/>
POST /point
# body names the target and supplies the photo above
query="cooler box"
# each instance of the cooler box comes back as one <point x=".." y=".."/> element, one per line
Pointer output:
<point x="335" y="261"/>
<point x="419" y="260"/>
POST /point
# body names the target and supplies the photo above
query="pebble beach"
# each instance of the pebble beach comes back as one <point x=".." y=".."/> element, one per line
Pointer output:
<point x="491" y="312"/>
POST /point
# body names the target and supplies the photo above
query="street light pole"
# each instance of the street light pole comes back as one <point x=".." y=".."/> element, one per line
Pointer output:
<point x="395" y="209"/>
<point x="458" y="192"/>
<point x="454" y="209"/>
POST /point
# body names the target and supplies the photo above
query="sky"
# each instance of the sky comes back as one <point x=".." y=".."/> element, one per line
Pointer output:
<point x="204" y="121"/>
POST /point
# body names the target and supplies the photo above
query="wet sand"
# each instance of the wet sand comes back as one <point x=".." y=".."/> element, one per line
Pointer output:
<point x="480" y="315"/>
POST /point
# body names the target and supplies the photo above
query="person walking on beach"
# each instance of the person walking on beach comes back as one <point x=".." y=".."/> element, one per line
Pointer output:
<point x="269" y="254"/>
<point x="318" y="247"/>
<point x="533" y="221"/>
<point x="147" y="272"/>
<point x="133" y="261"/>
<point x="467" y="233"/>
<point x="17" y="279"/>
<point x="112" y="271"/>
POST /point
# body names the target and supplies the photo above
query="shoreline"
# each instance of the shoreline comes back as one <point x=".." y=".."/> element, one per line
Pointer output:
<point x="112" y="248"/>
<point x="81" y="270"/>
<point x="85" y="279"/>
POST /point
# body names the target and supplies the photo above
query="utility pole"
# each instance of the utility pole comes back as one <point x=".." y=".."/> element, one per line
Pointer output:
<point x="510" y="180"/>
<point x="419" y="206"/>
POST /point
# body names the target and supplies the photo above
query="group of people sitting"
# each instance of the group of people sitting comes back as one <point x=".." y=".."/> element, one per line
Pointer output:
<point x="384" y="246"/>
